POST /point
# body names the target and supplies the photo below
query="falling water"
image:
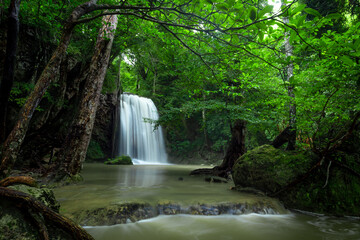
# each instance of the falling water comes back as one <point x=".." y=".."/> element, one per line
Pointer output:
<point x="139" y="138"/>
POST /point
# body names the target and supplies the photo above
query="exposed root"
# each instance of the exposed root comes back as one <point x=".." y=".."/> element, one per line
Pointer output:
<point x="18" y="180"/>
<point x="26" y="201"/>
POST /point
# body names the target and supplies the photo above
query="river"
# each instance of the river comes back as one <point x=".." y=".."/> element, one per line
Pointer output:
<point x="105" y="185"/>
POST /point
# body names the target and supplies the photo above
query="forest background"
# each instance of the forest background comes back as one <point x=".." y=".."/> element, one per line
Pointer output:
<point x="205" y="64"/>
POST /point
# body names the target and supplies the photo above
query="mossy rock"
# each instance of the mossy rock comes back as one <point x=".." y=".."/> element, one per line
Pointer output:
<point x="45" y="195"/>
<point x="269" y="169"/>
<point x="121" y="160"/>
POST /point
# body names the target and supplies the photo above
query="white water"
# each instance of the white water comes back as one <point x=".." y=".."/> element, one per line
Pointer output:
<point x="138" y="137"/>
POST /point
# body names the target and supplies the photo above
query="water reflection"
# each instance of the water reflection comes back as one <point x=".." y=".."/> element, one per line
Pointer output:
<point x="141" y="176"/>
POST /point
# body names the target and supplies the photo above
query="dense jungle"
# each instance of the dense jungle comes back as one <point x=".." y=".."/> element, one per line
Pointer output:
<point x="260" y="96"/>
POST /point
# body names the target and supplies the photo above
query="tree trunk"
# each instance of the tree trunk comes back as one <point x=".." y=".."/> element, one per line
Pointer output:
<point x="73" y="152"/>
<point x="16" y="137"/>
<point x="234" y="151"/>
<point x="9" y="64"/>
<point x="236" y="147"/>
<point x="292" y="106"/>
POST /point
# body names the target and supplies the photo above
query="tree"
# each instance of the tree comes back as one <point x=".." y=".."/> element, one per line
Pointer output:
<point x="73" y="151"/>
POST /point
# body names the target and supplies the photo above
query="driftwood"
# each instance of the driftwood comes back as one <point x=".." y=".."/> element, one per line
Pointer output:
<point x="26" y="201"/>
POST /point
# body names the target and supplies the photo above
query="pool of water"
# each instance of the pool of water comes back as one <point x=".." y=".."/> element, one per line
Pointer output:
<point x="104" y="185"/>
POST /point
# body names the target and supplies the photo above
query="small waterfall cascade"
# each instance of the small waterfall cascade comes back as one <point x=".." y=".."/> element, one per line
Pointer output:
<point x="138" y="137"/>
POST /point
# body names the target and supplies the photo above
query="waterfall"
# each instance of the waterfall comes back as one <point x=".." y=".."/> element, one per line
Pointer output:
<point x="138" y="137"/>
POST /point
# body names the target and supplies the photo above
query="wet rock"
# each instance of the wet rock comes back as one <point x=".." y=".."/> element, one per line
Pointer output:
<point x="114" y="214"/>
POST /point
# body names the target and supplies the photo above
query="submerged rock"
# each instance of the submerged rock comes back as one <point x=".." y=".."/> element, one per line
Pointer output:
<point x="121" y="160"/>
<point x="133" y="212"/>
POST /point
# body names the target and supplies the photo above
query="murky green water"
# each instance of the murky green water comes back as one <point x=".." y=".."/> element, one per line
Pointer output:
<point x="104" y="185"/>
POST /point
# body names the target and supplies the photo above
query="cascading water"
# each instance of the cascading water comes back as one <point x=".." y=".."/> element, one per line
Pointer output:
<point x="139" y="138"/>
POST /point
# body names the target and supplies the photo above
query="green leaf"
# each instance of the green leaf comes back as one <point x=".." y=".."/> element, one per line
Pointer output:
<point x="267" y="9"/>
<point x="347" y="60"/>
<point x="261" y="35"/>
<point x="357" y="44"/>
<point x="210" y="2"/>
<point x="298" y="9"/>
<point x="334" y="16"/>
<point x="300" y="21"/>
<point x="312" y="12"/>
<point x="252" y="13"/>
<point x="222" y="6"/>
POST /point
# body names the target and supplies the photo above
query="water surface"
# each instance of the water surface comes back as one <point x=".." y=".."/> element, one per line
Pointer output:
<point x="104" y="185"/>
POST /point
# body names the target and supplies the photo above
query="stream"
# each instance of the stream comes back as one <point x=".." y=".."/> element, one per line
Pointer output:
<point x="106" y="185"/>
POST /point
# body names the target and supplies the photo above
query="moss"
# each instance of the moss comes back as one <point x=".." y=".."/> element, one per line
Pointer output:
<point x="269" y="169"/>
<point x="45" y="195"/>
<point x="94" y="151"/>
<point x="121" y="160"/>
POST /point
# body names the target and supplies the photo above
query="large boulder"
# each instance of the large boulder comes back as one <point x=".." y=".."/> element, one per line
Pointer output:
<point x="329" y="190"/>
<point x="269" y="169"/>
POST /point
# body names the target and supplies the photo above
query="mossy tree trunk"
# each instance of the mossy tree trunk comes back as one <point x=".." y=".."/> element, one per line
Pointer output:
<point x="73" y="151"/>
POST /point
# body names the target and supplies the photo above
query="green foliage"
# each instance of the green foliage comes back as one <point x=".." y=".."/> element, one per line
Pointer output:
<point x="120" y="160"/>
<point x="94" y="151"/>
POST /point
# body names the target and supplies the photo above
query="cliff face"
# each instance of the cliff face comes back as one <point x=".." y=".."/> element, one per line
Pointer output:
<point x="104" y="133"/>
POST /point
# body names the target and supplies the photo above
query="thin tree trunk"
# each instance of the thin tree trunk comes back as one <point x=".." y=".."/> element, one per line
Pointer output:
<point x="291" y="94"/>
<point x="16" y="137"/>
<point x="73" y="151"/>
<point x="9" y="64"/>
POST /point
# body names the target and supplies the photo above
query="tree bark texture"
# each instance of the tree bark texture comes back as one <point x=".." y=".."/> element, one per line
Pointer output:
<point x="73" y="151"/>
<point x="27" y="202"/>
<point x="16" y="137"/>
<point x="9" y="64"/>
